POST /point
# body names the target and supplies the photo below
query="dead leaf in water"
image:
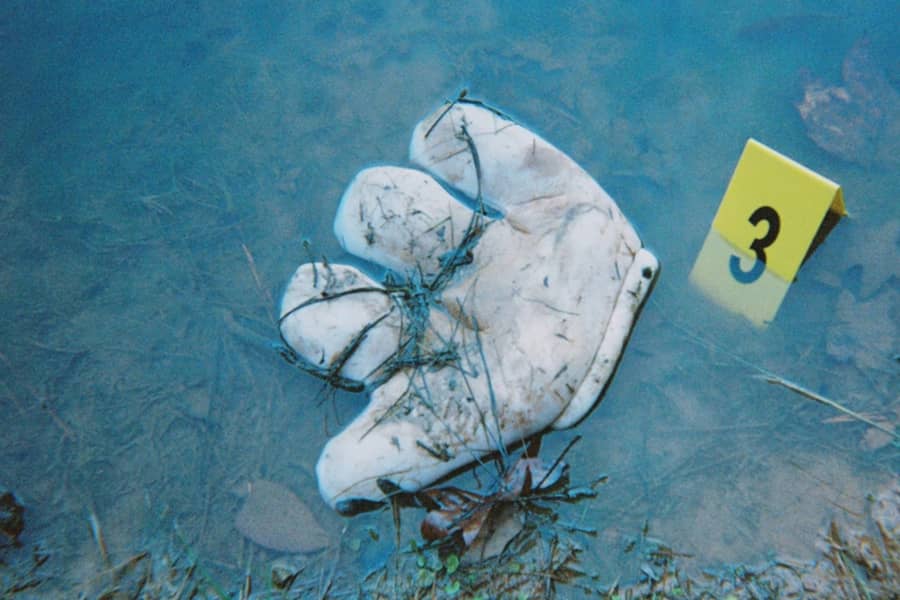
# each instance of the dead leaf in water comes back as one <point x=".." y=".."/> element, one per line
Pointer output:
<point x="875" y="439"/>
<point x="273" y="517"/>
<point x="876" y="249"/>
<point x="865" y="333"/>
<point x="453" y="511"/>
<point x="502" y="525"/>
<point x="859" y="121"/>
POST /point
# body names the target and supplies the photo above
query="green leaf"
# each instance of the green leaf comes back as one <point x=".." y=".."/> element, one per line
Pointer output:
<point x="424" y="578"/>
<point x="451" y="564"/>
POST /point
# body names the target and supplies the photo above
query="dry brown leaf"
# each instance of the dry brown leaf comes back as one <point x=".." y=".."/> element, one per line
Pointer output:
<point x="453" y="511"/>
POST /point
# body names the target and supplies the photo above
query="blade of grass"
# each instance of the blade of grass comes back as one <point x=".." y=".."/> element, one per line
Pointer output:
<point x="776" y="380"/>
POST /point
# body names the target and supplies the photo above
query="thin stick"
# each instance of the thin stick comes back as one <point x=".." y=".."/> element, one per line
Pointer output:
<point x="184" y="582"/>
<point x="450" y="104"/>
<point x="326" y="584"/>
<point x="259" y="285"/>
<point x="775" y="379"/>
<point x="98" y="536"/>
<point x="559" y="458"/>
<point x="487" y="374"/>
<point x="770" y="377"/>
<point x="42" y="402"/>
<point x="247" y="588"/>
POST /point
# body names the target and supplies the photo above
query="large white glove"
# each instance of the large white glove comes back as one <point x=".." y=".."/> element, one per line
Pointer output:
<point x="501" y="318"/>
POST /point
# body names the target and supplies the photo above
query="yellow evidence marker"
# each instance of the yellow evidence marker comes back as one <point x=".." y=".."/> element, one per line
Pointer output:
<point x="764" y="228"/>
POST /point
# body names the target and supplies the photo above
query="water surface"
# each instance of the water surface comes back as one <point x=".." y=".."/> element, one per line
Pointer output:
<point x="161" y="164"/>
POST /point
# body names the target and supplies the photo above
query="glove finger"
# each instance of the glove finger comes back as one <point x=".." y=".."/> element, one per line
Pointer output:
<point x="516" y="168"/>
<point x="342" y="324"/>
<point x="401" y="219"/>
<point x="398" y="438"/>
<point x="424" y="423"/>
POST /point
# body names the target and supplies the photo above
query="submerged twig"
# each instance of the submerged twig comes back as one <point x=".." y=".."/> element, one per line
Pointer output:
<point x="501" y="447"/>
<point x="43" y="404"/>
<point x="558" y="460"/>
<point x="462" y="98"/>
<point x="772" y="378"/>
<point x="263" y="290"/>
<point x="450" y="105"/>
<point x="326" y="582"/>
<point x="97" y="531"/>
<point x="775" y="379"/>
<point x="188" y="574"/>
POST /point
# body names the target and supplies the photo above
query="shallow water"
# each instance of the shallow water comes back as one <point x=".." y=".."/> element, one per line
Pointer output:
<point x="160" y="166"/>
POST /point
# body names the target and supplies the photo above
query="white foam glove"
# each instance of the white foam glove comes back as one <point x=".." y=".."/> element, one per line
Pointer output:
<point x="502" y="318"/>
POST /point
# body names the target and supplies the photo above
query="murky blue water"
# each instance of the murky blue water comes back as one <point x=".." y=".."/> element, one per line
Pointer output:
<point x="161" y="164"/>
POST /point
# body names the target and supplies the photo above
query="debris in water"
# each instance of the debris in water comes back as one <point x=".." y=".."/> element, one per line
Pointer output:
<point x="865" y="332"/>
<point x="454" y="512"/>
<point x="273" y="517"/>
<point x="12" y="516"/>
<point x="859" y="121"/>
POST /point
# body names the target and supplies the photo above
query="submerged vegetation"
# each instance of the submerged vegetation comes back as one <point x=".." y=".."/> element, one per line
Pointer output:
<point x="538" y="556"/>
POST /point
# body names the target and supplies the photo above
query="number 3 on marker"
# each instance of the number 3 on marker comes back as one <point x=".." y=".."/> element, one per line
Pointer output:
<point x="759" y="245"/>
